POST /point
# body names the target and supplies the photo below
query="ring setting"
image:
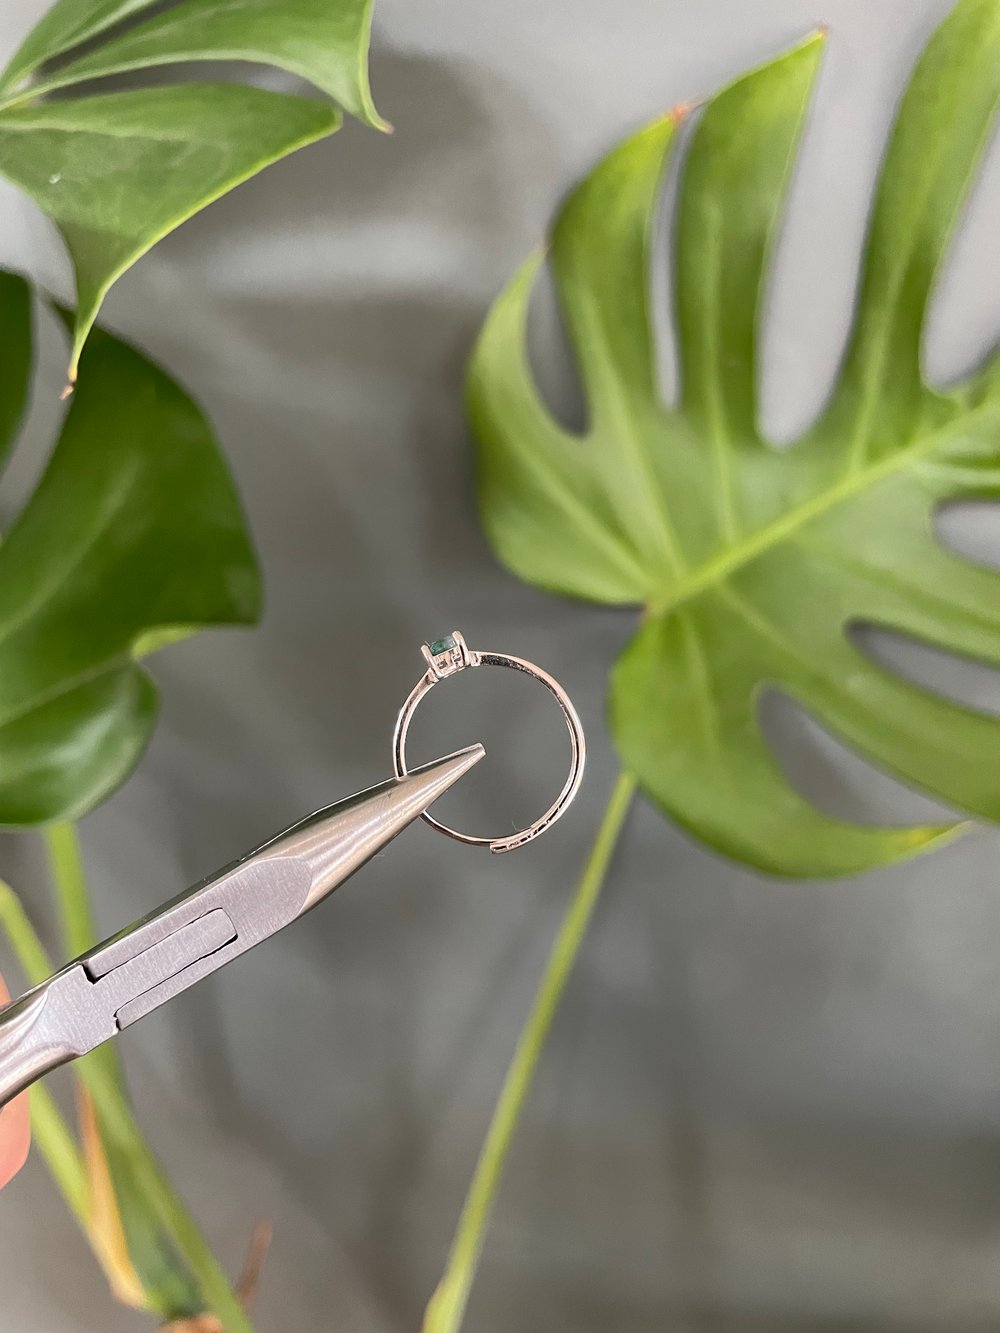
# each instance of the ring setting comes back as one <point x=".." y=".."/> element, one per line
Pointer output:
<point x="446" y="657"/>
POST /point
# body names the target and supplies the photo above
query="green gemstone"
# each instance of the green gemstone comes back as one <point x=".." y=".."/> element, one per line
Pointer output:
<point x="442" y="645"/>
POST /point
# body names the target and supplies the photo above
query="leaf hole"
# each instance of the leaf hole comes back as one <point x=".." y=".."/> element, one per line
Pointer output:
<point x="971" y="528"/>
<point x="963" y="680"/>
<point x="960" y="327"/>
<point x="833" y="776"/>
<point x="661" y="269"/>
<point x="806" y="304"/>
<point x="550" y="353"/>
<point x="553" y="365"/>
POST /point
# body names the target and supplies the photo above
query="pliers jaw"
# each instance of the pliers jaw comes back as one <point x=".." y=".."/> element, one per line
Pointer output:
<point x="130" y="975"/>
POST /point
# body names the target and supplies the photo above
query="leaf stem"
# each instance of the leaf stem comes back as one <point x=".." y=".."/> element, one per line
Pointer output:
<point x="101" y="1074"/>
<point x="52" y="1135"/>
<point x="446" y="1309"/>
<point x="79" y="927"/>
<point x="161" y="1198"/>
<point x="76" y="914"/>
<point x="28" y="948"/>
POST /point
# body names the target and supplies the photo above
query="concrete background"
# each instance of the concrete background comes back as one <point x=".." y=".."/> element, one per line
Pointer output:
<point x="765" y="1106"/>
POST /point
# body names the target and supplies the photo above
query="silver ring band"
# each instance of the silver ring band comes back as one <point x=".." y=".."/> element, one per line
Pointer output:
<point x="446" y="657"/>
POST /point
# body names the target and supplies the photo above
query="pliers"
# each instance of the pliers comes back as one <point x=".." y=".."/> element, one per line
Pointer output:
<point x="128" y="976"/>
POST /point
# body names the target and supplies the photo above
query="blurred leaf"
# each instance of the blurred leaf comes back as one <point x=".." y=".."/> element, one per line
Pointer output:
<point x="134" y="528"/>
<point x="754" y="562"/>
<point x="104" y="1219"/>
<point x="152" y="1190"/>
<point x="117" y="171"/>
<point x="139" y="1259"/>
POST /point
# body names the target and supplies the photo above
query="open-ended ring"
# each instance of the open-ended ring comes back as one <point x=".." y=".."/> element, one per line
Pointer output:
<point x="447" y="656"/>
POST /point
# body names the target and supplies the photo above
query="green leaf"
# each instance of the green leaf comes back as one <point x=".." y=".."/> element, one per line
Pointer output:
<point x="752" y="562"/>
<point x="63" y="26"/>
<point x="321" y="41"/>
<point x="117" y="172"/>
<point x="134" y="528"/>
<point x="15" y="356"/>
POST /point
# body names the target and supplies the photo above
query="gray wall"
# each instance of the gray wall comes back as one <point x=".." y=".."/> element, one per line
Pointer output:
<point x="765" y="1105"/>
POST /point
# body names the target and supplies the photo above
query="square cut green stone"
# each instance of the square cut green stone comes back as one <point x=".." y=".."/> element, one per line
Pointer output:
<point x="442" y="645"/>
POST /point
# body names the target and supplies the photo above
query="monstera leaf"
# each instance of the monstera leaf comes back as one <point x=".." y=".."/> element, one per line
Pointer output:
<point x="117" y="171"/>
<point x="133" y="536"/>
<point x="753" y="563"/>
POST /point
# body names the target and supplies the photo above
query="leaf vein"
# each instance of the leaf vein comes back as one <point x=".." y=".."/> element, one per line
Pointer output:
<point x="781" y="529"/>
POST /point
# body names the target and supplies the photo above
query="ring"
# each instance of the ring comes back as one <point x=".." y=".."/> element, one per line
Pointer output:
<point x="446" y="657"/>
